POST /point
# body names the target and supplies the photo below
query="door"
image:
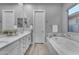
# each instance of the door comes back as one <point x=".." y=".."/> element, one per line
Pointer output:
<point x="39" y="27"/>
<point x="8" y="21"/>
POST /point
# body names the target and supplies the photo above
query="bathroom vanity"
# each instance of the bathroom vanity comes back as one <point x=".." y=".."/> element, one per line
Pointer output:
<point x="62" y="46"/>
<point x="15" y="45"/>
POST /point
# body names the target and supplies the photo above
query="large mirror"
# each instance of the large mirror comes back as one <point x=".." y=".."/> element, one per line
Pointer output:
<point x="73" y="18"/>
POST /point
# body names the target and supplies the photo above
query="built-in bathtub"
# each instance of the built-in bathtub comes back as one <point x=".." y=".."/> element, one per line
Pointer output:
<point x="64" y="45"/>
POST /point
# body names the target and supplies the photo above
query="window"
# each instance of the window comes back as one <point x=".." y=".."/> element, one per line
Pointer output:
<point x="73" y="19"/>
<point x="74" y="9"/>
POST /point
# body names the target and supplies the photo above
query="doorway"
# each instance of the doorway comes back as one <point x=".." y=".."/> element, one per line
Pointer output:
<point x="39" y="26"/>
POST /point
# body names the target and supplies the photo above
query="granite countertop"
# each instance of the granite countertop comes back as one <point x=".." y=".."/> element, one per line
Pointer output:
<point x="6" y="40"/>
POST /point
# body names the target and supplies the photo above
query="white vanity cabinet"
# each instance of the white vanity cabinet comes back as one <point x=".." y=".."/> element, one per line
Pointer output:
<point x="17" y="47"/>
<point x="24" y="43"/>
<point x="10" y="49"/>
<point x="20" y="47"/>
<point x="14" y="50"/>
<point x="28" y="40"/>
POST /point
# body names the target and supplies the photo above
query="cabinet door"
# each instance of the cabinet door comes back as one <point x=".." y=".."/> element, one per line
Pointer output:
<point x="9" y="49"/>
<point x="25" y="42"/>
<point x="22" y="45"/>
<point x="29" y="39"/>
<point x="23" y="49"/>
<point x="4" y="51"/>
<point x="14" y="50"/>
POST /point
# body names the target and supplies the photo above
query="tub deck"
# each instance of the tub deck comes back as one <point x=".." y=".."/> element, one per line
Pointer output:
<point x="64" y="46"/>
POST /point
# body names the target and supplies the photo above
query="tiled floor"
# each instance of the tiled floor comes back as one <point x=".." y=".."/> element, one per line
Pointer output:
<point x="38" y="49"/>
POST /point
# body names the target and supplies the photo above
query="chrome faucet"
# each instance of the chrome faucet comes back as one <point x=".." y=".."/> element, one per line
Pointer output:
<point x="68" y="36"/>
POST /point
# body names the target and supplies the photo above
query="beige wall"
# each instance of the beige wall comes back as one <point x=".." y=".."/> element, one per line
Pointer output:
<point x="53" y="14"/>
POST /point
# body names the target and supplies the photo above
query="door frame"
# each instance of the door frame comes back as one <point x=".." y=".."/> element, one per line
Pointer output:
<point x="34" y="20"/>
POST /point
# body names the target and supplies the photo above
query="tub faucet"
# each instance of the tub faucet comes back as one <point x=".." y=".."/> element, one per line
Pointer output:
<point x="68" y="36"/>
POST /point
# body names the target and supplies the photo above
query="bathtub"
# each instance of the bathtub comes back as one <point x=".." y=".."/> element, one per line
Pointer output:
<point x="64" y="46"/>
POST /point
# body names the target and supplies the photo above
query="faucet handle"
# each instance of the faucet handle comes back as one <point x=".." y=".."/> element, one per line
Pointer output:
<point x="69" y="35"/>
